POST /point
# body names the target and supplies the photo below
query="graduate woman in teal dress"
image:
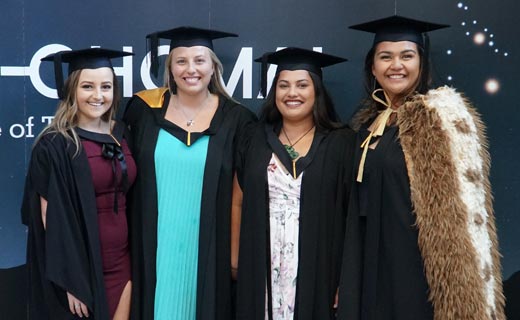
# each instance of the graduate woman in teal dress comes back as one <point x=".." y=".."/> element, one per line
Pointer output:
<point x="184" y="138"/>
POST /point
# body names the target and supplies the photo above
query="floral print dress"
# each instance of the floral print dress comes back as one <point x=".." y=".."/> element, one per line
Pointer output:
<point x="284" y="213"/>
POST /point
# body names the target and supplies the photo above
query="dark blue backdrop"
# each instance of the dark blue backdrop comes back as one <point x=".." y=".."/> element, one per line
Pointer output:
<point x="32" y="29"/>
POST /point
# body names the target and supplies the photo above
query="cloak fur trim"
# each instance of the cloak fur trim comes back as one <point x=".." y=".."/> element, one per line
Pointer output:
<point x="445" y="148"/>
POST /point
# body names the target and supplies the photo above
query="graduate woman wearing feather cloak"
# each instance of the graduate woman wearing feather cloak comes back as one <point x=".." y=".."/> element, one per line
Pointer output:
<point x="74" y="204"/>
<point x="295" y="173"/>
<point x="421" y="240"/>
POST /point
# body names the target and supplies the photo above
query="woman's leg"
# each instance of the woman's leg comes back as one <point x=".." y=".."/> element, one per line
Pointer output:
<point x="123" y="308"/>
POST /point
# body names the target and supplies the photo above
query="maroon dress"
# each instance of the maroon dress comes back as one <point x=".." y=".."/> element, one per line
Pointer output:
<point x="112" y="219"/>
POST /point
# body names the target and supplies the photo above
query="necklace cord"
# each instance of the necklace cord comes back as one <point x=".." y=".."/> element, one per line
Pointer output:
<point x="293" y="154"/>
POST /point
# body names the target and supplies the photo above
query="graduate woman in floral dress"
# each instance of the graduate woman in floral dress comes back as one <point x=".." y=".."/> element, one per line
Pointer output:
<point x="295" y="174"/>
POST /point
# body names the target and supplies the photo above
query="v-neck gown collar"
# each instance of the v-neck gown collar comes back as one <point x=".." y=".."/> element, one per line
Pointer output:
<point x="179" y="132"/>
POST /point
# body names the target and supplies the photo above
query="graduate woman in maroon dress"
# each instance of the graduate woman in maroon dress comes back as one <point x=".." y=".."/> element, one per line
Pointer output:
<point x="75" y="197"/>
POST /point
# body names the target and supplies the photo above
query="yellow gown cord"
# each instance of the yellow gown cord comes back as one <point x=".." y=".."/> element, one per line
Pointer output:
<point x="378" y="127"/>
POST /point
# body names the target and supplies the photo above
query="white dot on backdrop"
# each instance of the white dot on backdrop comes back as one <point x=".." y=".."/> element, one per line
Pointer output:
<point x="466" y="8"/>
<point x="479" y="38"/>
<point x="450" y="78"/>
<point x="505" y="54"/>
<point x="492" y="86"/>
<point x="474" y="21"/>
<point x="496" y="50"/>
<point x="467" y="33"/>
<point x="491" y="43"/>
<point x="448" y="51"/>
<point x="460" y="5"/>
<point x="485" y="29"/>
<point x="491" y="35"/>
<point x="463" y="23"/>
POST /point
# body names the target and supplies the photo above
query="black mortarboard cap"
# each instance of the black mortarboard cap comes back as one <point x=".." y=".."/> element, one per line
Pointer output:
<point x="92" y="58"/>
<point x="183" y="37"/>
<point x="296" y="59"/>
<point x="396" y="28"/>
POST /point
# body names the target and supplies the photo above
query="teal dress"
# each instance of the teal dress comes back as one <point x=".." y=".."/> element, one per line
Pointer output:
<point x="180" y="173"/>
<point x="228" y="128"/>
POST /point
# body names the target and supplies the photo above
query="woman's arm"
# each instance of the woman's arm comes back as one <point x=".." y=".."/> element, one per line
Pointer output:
<point x="43" y="206"/>
<point x="236" y="213"/>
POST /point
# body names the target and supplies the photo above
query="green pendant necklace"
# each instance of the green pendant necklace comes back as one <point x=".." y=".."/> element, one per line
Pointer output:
<point x="293" y="154"/>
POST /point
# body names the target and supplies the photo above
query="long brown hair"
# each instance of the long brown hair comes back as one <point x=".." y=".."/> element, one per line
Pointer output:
<point x="66" y="116"/>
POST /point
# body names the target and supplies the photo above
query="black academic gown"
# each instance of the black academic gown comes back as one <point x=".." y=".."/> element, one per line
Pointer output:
<point x="228" y="125"/>
<point x="326" y="179"/>
<point x="382" y="274"/>
<point x="66" y="256"/>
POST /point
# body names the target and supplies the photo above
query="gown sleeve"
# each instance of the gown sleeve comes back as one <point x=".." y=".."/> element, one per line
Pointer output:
<point x="36" y="180"/>
<point x="242" y="149"/>
<point x="58" y="256"/>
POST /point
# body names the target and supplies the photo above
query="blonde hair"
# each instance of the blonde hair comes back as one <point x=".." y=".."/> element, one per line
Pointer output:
<point x="215" y="85"/>
<point x="66" y="116"/>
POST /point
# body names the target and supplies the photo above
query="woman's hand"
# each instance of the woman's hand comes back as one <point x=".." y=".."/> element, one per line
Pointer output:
<point x="336" y="298"/>
<point x="77" y="307"/>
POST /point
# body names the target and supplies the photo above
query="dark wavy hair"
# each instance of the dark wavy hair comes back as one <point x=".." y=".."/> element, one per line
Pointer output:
<point x="323" y="112"/>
